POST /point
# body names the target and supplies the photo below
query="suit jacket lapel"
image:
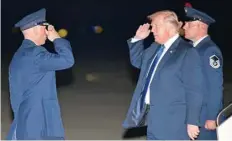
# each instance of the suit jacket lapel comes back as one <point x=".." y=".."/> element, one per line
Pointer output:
<point x="151" y="55"/>
<point x="168" y="54"/>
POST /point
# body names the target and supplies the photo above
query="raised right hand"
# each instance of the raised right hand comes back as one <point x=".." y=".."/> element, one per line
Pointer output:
<point x="143" y="31"/>
<point x="52" y="33"/>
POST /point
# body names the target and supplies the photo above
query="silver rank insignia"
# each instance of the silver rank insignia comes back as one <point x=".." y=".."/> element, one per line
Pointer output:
<point x="214" y="61"/>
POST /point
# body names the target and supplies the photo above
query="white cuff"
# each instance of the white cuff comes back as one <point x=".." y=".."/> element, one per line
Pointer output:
<point x="133" y="40"/>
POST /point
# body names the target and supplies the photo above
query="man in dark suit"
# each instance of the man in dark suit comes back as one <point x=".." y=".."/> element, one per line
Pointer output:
<point x="196" y="30"/>
<point x="168" y="96"/>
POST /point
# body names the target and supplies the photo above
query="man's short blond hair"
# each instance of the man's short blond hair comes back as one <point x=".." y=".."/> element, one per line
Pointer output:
<point x="169" y="17"/>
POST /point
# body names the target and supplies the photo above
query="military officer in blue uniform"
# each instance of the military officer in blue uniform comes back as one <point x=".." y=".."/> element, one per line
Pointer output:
<point x="196" y="29"/>
<point x="168" y="96"/>
<point x="32" y="81"/>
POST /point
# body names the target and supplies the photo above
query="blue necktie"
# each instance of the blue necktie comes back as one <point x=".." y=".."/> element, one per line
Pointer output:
<point x="139" y="113"/>
<point x="148" y="79"/>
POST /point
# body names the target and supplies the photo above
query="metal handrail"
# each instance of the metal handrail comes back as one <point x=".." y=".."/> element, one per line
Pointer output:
<point x="230" y="105"/>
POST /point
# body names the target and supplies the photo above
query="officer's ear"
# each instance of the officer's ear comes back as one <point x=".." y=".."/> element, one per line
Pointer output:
<point x="36" y="30"/>
<point x="204" y="26"/>
<point x="198" y="23"/>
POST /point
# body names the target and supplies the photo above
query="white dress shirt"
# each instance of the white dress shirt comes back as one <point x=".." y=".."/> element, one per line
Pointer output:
<point x="198" y="41"/>
<point x="167" y="45"/>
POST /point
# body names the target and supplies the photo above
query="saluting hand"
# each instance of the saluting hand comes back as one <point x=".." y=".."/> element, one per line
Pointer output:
<point x="52" y="34"/>
<point x="143" y="31"/>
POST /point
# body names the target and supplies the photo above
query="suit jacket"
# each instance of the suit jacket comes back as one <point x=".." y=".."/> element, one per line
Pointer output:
<point x="212" y="64"/>
<point x="175" y="92"/>
<point x="33" y="91"/>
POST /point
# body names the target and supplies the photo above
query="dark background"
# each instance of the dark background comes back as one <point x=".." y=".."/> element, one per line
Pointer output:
<point x="119" y="20"/>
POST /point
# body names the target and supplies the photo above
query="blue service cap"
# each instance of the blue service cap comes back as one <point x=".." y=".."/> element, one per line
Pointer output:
<point x="33" y="19"/>
<point x="196" y="15"/>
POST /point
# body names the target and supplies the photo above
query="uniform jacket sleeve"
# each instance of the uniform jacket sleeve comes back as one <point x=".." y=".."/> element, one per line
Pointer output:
<point x="63" y="59"/>
<point x="214" y="67"/>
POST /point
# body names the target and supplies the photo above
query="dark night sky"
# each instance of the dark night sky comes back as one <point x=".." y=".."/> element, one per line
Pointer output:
<point x="119" y="20"/>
